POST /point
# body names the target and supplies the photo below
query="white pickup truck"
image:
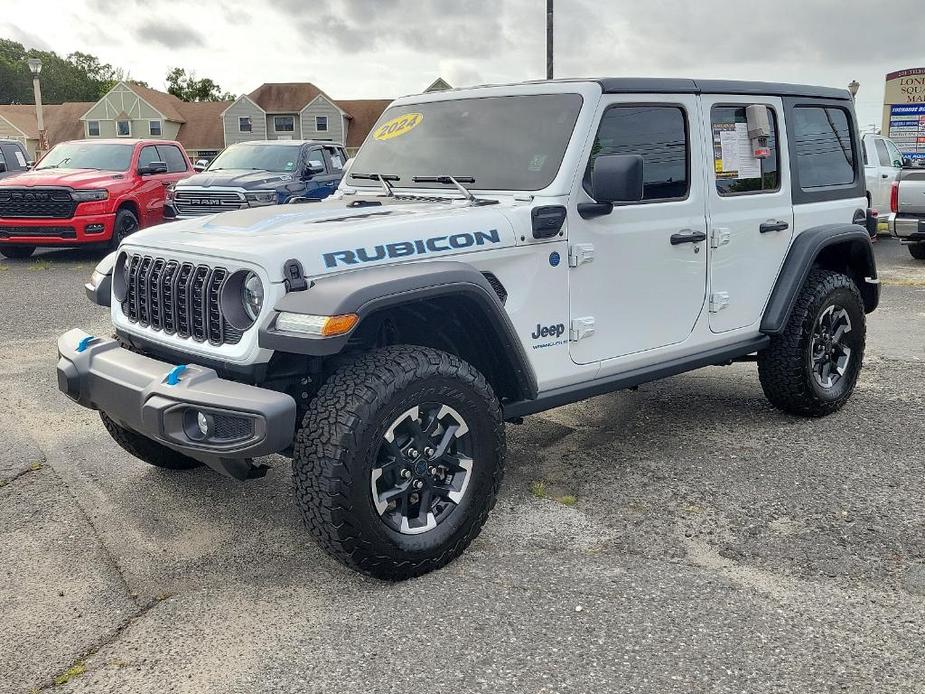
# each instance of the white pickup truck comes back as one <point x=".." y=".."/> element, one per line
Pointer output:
<point x="882" y="163"/>
<point x="908" y="206"/>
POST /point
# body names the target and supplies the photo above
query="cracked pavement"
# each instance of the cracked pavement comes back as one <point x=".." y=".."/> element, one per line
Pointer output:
<point x="715" y="544"/>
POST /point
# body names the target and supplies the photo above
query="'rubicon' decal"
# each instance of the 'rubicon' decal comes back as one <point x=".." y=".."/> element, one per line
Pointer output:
<point x="402" y="249"/>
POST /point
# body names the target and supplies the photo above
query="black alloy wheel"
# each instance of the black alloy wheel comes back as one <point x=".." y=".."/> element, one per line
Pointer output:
<point x="422" y="469"/>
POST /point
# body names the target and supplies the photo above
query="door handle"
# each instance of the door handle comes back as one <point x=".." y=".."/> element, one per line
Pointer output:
<point x="688" y="236"/>
<point x="772" y="225"/>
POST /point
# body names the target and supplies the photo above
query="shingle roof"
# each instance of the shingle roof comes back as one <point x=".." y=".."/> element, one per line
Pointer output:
<point x="285" y="97"/>
<point x="363" y="116"/>
<point x="62" y="121"/>
<point x="203" y="125"/>
<point x="169" y="105"/>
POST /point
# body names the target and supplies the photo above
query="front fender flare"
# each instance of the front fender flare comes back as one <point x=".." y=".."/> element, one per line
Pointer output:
<point x="365" y="291"/>
<point x="853" y="244"/>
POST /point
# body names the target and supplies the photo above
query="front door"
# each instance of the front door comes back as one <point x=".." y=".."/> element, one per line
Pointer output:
<point x="645" y="286"/>
<point x="749" y="208"/>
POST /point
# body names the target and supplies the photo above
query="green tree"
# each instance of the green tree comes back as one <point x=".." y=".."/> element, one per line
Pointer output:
<point x="187" y="88"/>
<point x="78" y="77"/>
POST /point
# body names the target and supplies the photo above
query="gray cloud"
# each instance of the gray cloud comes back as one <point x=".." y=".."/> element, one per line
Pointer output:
<point x="27" y="39"/>
<point x="168" y="34"/>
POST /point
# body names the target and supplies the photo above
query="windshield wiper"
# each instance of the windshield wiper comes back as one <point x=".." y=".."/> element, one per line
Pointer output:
<point x="382" y="178"/>
<point x="458" y="182"/>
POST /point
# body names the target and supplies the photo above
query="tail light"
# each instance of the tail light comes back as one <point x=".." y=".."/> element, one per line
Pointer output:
<point x="894" y="197"/>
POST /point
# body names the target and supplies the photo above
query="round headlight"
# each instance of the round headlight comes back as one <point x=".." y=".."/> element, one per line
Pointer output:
<point x="252" y="295"/>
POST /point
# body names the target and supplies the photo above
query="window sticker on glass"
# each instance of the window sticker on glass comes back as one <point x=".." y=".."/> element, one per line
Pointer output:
<point x="20" y="158"/>
<point x="290" y="165"/>
<point x="400" y="125"/>
<point x="536" y="164"/>
<point x="732" y="152"/>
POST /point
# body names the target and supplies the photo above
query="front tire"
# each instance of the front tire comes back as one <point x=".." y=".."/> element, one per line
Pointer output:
<point x="17" y="252"/>
<point x="398" y="461"/>
<point x="147" y="450"/>
<point x="811" y="368"/>
<point x="917" y="251"/>
<point x="126" y="223"/>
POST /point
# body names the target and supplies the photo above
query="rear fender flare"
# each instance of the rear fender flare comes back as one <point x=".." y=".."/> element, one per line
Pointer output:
<point x="843" y="247"/>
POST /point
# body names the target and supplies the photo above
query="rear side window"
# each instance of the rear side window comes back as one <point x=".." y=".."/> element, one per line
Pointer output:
<point x="173" y="157"/>
<point x="737" y="171"/>
<point x="659" y="135"/>
<point x="335" y="160"/>
<point x="822" y="143"/>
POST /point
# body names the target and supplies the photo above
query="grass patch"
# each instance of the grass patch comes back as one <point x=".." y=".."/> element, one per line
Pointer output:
<point x="76" y="670"/>
<point x="567" y="500"/>
<point x="538" y="489"/>
<point x="35" y="466"/>
<point x="903" y="282"/>
<point x="39" y="265"/>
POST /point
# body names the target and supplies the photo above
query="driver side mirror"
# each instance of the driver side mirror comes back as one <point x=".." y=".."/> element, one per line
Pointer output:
<point x="615" y="179"/>
<point x="155" y="167"/>
<point x="906" y="163"/>
<point x="314" y="167"/>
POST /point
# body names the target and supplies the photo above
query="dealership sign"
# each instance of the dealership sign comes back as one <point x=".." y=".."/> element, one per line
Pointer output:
<point x="904" y="111"/>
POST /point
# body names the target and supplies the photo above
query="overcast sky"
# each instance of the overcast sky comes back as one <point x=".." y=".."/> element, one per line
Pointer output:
<point x="385" y="48"/>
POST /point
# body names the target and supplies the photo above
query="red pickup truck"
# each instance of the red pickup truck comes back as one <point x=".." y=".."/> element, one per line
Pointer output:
<point x="88" y="192"/>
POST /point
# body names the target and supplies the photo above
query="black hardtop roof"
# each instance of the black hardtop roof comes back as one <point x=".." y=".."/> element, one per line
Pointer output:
<point x="671" y="85"/>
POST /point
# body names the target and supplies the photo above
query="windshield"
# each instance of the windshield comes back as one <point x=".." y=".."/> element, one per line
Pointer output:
<point x="504" y="143"/>
<point x="89" y="155"/>
<point x="279" y="158"/>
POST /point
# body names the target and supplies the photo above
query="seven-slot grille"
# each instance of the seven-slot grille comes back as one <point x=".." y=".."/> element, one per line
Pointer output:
<point x="53" y="203"/>
<point x="195" y="202"/>
<point x="177" y="298"/>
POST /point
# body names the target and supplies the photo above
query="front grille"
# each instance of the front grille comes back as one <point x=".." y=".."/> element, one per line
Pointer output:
<point x="195" y="202"/>
<point x="177" y="298"/>
<point x="9" y="232"/>
<point x="36" y="203"/>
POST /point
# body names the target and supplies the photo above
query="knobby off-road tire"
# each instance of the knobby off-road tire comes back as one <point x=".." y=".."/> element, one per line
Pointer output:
<point x="827" y="320"/>
<point x="17" y="252"/>
<point x="343" y="456"/>
<point x="917" y="251"/>
<point x="147" y="450"/>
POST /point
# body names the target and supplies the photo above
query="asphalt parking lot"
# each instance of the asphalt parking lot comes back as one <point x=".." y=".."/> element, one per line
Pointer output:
<point x="685" y="537"/>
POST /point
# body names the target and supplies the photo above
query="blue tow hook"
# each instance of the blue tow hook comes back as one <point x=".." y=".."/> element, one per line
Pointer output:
<point x="173" y="378"/>
<point x="85" y="342"/>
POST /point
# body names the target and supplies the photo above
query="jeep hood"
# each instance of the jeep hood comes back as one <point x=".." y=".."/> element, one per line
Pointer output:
<point x="74" y="178"/>
<point x="329" y="236"/>
<point x="237" y="178"/>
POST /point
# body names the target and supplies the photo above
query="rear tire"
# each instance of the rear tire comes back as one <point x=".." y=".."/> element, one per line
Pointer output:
<point x="17" y="252"/>
<point x="812" y="367"/>
<point x="917" y="251"/>
<point x="147" y="450"/>
<point x="375" y="482"/>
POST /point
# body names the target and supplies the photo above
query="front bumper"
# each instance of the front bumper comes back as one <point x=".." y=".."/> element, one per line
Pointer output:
<point x="73" y="231"/>
<point x="136" y="391"/>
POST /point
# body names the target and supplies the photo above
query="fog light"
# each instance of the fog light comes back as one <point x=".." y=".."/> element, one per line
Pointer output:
<point x="205" y="424"/>
<point x="94" y="228"/>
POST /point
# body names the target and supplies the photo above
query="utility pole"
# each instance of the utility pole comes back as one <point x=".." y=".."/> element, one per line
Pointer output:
<point x="549" y="39"/>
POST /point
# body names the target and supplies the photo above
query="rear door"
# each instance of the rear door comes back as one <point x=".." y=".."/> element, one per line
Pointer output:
<point x="749" y="208"/>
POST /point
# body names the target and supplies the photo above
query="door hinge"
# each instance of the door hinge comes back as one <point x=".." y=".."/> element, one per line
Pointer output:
<point x="580" y="253"/>
<point x="718" y="301"/>
<point x="719" y="237"/>
<point x="581" y="328"/>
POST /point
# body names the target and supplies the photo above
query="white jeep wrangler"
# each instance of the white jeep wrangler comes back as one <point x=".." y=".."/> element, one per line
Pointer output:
<point x="495" y="252"/>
